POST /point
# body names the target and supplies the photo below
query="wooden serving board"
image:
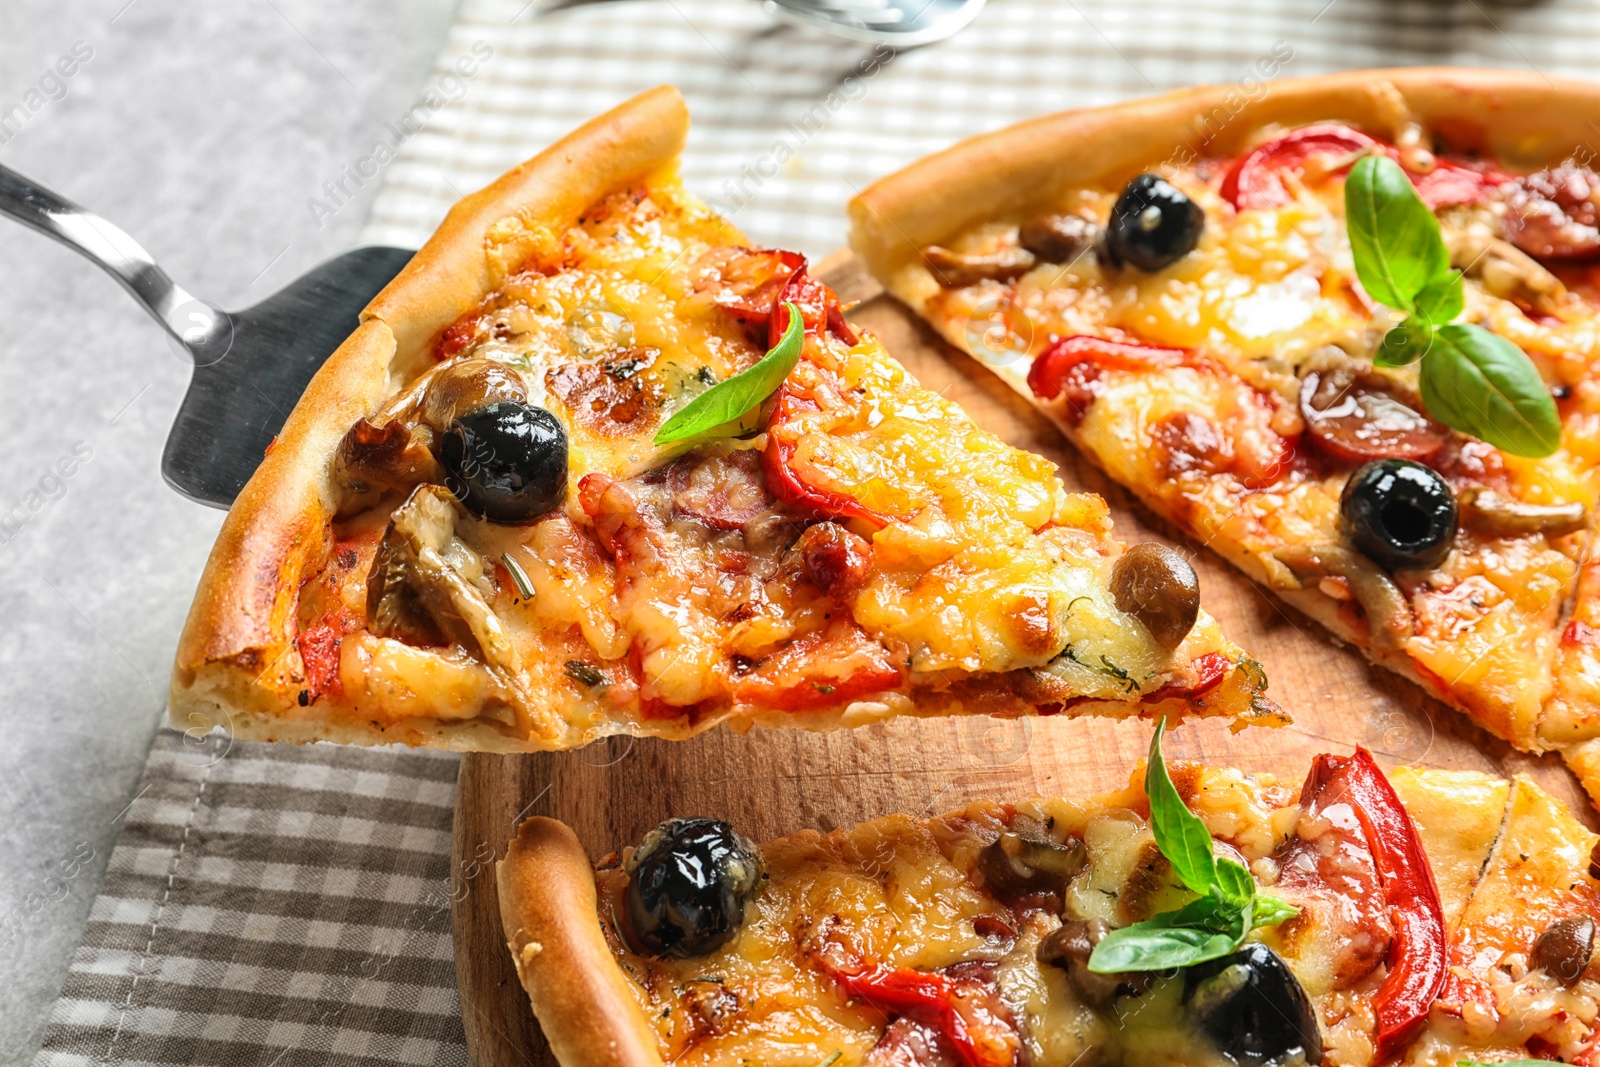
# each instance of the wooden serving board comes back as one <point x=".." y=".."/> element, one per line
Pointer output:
<point x="771" y="782"/>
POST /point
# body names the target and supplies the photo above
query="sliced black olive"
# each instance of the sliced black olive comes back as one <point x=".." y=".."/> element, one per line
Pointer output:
<point x="1399" y="514"/>
<point x="1014" y="866"/>
<point x="506" y="462"/>
<point x="1069" y="947"/>
<point x="1157" y="586"/>
<point x="1058" y="238"/>
<point x="1153" y="225"/>
<point x="1563" y="950"/>
<point x="1253" y="1009"/>
<point x="688" y="884"/>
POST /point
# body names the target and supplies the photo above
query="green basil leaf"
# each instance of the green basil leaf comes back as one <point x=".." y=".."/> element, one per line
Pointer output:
<point x="1405" y="343"/>
<point x="1505" y="1063"/>
<point x="1202" y="930"/>
<point x="726" y="401"/>
<point x="1483" y="385"/>
<point x="1443" y="300"/>
<point x="1235" y="883"/>
<point x="1393" y="236"/>
<point x="1179" y="833"/>
<point x="1270" y="911"/>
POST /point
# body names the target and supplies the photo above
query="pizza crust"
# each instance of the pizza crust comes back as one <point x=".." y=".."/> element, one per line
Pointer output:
<point x="579" y="994"/>
<point x="1521" y="118"/>
<point x="236" y="664"/>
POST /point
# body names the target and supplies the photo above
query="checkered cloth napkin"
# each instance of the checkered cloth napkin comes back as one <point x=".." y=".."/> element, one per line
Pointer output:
<point x="278" y="906"/>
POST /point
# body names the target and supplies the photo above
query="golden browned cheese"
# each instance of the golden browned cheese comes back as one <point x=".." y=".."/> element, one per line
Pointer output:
<point x="910" y="894"/>
<point x="1219" y="445"/>
<point x="674" y="588"/>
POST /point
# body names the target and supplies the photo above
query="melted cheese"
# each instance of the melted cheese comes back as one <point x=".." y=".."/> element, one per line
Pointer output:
<point x="905" y="893"/>
<point x="1263" y="292"/>
<point x="672" y="588"/>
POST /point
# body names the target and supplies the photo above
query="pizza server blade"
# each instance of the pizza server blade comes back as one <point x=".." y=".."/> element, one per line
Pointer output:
<point x="250" y="366"/>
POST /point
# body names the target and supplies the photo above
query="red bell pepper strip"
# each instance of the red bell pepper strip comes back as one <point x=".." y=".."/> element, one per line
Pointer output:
<point x="1417" y="954"/>
<point x="1210" y="668"/>
<point x="931" y="1000"/>
<point x="1255" y="179"/>
<point x="777" y="460"/>
<point x="1047" y="376"/>
<point x="818" y="304"/>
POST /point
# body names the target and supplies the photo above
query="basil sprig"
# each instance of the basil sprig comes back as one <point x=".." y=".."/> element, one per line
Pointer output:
<point x="1472" y="380"/>
<point x="1228" y="905"/>
<point x="726" y="401"/>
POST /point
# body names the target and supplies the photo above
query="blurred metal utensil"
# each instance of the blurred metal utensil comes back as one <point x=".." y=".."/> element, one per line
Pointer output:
<point x="901" y="23"/>
<point x="250" y="366"/>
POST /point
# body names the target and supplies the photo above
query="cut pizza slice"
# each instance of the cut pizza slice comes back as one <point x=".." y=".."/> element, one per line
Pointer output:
<point x="1200" y="917"/>
<point x="1183" y="297"/>
<point x="593" y="465"/>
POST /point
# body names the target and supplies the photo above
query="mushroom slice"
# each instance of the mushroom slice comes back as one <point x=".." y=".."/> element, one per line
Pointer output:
<point x="374" y="456"/>
<point x="466" y="385"/>
<point x="1487" y="512"/>
<point x="1389" y="619"/>
<point x="1503" y="269"/>
<point x="955" y="270"/>
<point x="422" y="575"/>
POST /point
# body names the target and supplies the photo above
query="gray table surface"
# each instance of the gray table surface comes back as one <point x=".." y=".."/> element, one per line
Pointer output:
<point x="202" y="128"/>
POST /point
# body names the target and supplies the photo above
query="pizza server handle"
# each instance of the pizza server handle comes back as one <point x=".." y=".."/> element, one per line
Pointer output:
<point x="194" y="326"/>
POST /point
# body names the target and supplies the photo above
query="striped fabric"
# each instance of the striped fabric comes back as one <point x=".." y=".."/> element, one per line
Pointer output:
<point x="266" y="900"/>
<point x="281" y="906"/>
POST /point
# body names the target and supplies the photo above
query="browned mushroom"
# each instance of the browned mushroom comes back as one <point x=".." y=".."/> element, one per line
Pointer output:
<point x="466" y="385"/>
<point x="1157" y="586"/>
<point x="425" y="581"/>
<point x="1563" y="950"/>
<point x="1069" y="947"/>
<point x="1487" y="512"/>
<point x="1389" y="618"/>
<point x="1015" y="867"/>
<point x="373" y="457"/>
<point x="1058" y="238"/>
<point x="957" y="269"/>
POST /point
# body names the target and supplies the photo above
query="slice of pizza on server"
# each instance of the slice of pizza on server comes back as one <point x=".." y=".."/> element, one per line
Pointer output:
<point x="593" y="464"/>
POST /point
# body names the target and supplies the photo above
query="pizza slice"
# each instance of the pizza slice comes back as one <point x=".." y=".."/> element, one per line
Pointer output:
<point x="593" y="465"/>
<point x="1201" y="916"/>
<point x="1182" y="295"/>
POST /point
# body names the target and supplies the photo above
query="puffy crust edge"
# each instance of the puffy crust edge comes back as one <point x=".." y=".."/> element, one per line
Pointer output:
<point x="579" y="994"/>
<point x="1519" y="116"/>
<point x="237" y="647"/>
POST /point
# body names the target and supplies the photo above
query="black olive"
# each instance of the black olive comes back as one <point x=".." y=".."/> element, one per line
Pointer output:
<point x="1253" y="1009"/>
<point x="506" y="462"/>
<point x="1399" y="514"/>
<point x="688" y="883"/>
<point x="1153" y="225"/>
